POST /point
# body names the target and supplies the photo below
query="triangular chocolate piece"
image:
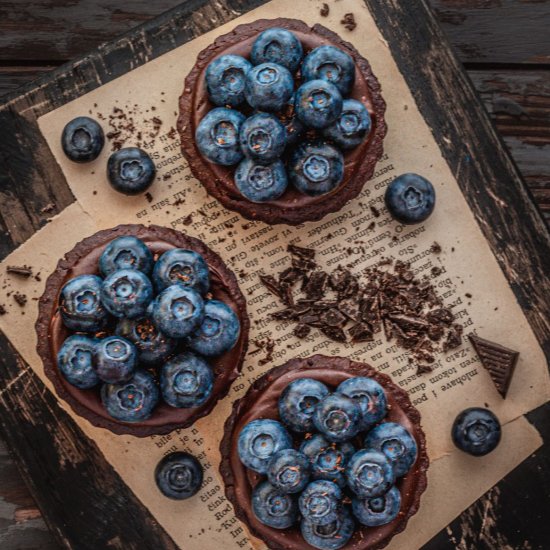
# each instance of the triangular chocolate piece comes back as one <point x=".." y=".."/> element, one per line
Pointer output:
<point x="499" y="361"/>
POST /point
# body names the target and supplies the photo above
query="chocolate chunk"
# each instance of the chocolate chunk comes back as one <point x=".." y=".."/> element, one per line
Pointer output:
<point x="350" y="308"/>
<point x="440" y="315"/>
<point x="20" y="271"/>
<point x="271" y="284"/>
<point x="315" y="288"/>
<point x="283" y="315"/>
<point x="408" y="322"/>
<point x="349" y="21"/>
<point x="333" y="318"/>
<point x="361" y="332"/>
<point x="290" y="276"/>
<point x="423" y="369"/>
<point x="454" y="338"/>
<point x="303" y="264"/>
<point x="21" y="299"/>
<point x="301" y="331"/>
<point x="334" y="333"/>
<point x="301" y="252"/>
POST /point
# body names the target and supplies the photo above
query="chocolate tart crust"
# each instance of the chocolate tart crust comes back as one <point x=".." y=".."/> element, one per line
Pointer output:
<point x="51" y="332"/>
<point x="293" y="207"/>
<point x="260" y="401"/>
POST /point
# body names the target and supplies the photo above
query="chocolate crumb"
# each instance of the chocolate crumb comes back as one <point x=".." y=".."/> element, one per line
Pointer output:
<point x="188" y="220"/>
<point x="21" y="299"/>
<point x="3" y="310"/>
<point x="21" y="271"/>
<point x="149" y="197"/>
<point x="324" y="11"/>
<point x="436" y="271"/>
<point x="468" y="295"/>
<point x="436" y="248"/>
<point x="375" y="211"/>
<point x="301" y="331"/>
<point x="349" y="21"/>
<point x="423" y="369"/>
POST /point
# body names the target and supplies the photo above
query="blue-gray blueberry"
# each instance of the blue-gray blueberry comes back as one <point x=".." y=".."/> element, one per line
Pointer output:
<point x="179" y="475"/>
<point x="127" y="293"/>
<point x="331" y="64"/>
<point x="272" y="507"/>
<point x="369" y="474"/>
<point x="126" y="252"/>
<point x="116" y="360"/>
<point x="225" y="78"/>
<point x="352" y="126"/>
<point x="82" y="139"/>
<point x="332" y="536"/>
<point x="376" y="511"/>
<point x="76" y="361"/>
<point x="321" y="502"/>
<point x="260" y="183"/>
<point x="130" y="171"/>
<point x="268" y="87"/>
<point x="185" y="267"/>
<point x="318" y="104"/>
<point x="279" y="46"/>
<point x="263" y="138"/>
<point x="337" y="417"/>
<point x="476" y="431"/>
<point x="410" y="199"/>
<point x="369" y="395"/>
<point x="289" y="470"/>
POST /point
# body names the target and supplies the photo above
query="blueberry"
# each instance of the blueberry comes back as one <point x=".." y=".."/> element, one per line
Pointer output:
<point x="116" y="360"/>
<point x="177" y="311"/>
<point x="331" y="64"/>
<point x="82" y="139"/>
<point x="294" y="127"/>
<point x="272" y="507"/>
<point x="277" y="45"/>
<point x="225" y="78"/>
<point x="126" y="253"/>
<point x="259" y="440"/>
<point x="369" y="395"/>
<point x="76" y="361"/>
<point x="337" y="417"/>
<point x="331" y="536"/>
<point x="351" y="127"/>
<point x="396" y="443"/>
<point x="185" y="267"/>
<point x="152" y="346"/>
<point x="130" y="171"/>
<point x="217" y="136"/>
<point x="321" y="502"/>
<point x="126" y="293"/>
<point x="376" y="511"/>
<point x="263" y="138"/>
<point x="179" y="475"/>
<point x="316" y="168"/>
<point x="410" y="198"/>
<point x="289" y="470"/>
<point x="218" y="332"/>
<point x="80" y="304"/>
<point x="186" y="381"/>
<point x="476" y="431"/>
<point x="259" y="183"/>
<point x="318" y="104"/>
<point x="297" y="403"/>
<point x="369" y="474"/>
<point x="131" y="401"/>
<point x="268" y="87"/>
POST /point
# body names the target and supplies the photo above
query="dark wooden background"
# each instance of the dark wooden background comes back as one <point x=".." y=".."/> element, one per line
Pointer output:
<point x="505" y="47"/>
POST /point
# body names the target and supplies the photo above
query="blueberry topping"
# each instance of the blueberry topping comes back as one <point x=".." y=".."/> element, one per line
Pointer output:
<point x="126" y="253"/>
<point x="410" y="198"/>
<point x="268" y="87"/>
<point x="184" y="267"/>
<point x="179" y="475"/>
<point x="76" y="361"/>
<point x="337" y="417"/>
<point x="321" y="502"/>
<point x="331" y="64"/>
<point x="376" y="511"/>
<point x="130" y="171"/>
<point x="279" y="46"/>
<point x="82" y="139"/>
<point x="331" y="536"/>
<point x="116" y="360"/>
<point x="351" y="127"/>
<point x="369" y="474"/>
<point x="263" y="138"/>
<point x="369" y="395"/>
<point x="289" y="471"/>
<point x="127" y="293"/>
<point x="476" y="431"/>
<point x="318" y="104"/>
<point x="259" y="183"/>
<point x="272" y="507"/>
<point x="225" y="79"/>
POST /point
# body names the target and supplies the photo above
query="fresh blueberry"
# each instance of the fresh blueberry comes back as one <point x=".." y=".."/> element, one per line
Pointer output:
<point x="337" y="417"/>
<point x="369" y="474"/>
<point x="370" y="396"/>
<point x="259" y="440"/>
<point x="126" y="253"/>
<point x="131" y="171"/>
<point x="298" y="401"/>
<point x="82" y="139"/>
<point x="476" y="431"/>
<point x="331" y="536"/>
<point x="396" y="443"/>
<point x="272" y="507"/>
<point x="321" y="502"/>
<point x="131" y="401"/>
<point x="126" y="293"/>
<point x="410" y="198"/>
<point x="268" y="87"/>
<point x="80" y="304"/>
<point x="76" y="361"/>
<point x="376" y="511"/>
<point x="318" y="104"/>
<point x="351" y="127"/>
<point x="331" y="64"/>
<point x="185" y="267"/>
<point x="186" y="381"/>
<point x="277" y="45"/>
<point x="316" y="168"/>
<point x="294" y="127"/>
<point x="289" y="471"/>
<point x="177" y="311"/>
<point x="263" y="138"/>
<point x="259" y="183"/>
<point x="217" y="136"/>
<point x="218" y="332"/>
<point x="116" y="360"/>
<point x="179" y="475"/>
<point x="225" y="78"/>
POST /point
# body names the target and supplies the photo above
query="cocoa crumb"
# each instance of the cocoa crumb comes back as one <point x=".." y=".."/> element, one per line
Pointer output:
<point x="149" y="197"/>
<point x="324" y="11"/>
<point x="21" y="299"/>
<point x="3" y="310"/>
<point x="349" y="21"/>
<point x="188" y="220"/>
<point x="436" y="248"/>
<point x="375" y="211"/>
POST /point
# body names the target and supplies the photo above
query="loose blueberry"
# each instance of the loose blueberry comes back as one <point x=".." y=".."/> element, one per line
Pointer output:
<point x="217" y="136"/>
<point x="268" y="87"/>
<point x="177" y="311"/>
<point x="259" y="183"/>
<point x="259" y="440"/>
<point x="186" y="381"/>
<point x="131" y="401"/>
<point x="185" y="267"/>
<point x="337" y="417"/>
<point x="331" y="64"/>
<point x="316" y="168"/>
<point x="298" y="401"/>
<point x="279" y="46"/>
<point x="225" y="78"/>
<point x="126" y="253"/>
<point x="179" y="475"/>
<point x="376" y="511"/>
<point x="351" y="127"/>
<point x="263" y="138"/>
<point x="396" y="443"/>
<point x="321" y="502"/>
<point x="369" y="395"/>
<point x="82" y="139"/>
<point x="272" y="507"/>
<point x="116" y="360"/>
<point x="127" y="293"/>
<point x="331" y="536"/>
<point x="476" y="431"/>
<point x="369" y="474"/>
<point x="289" y="471"/>
<point x="76" y="361"/>
<point x="80" y="304"/>
<point x="410" y="198"/>
<point x="318" y="104"/>
<point x="130" y="171"/>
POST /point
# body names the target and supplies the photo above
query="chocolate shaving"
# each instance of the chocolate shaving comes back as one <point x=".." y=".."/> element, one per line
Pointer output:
<point x="20" y="271"/>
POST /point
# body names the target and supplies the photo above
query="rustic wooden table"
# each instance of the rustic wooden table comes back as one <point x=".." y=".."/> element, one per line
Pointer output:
<point x="505" y="47"/>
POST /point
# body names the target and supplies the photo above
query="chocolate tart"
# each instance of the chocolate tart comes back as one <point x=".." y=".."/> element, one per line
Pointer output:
<point x="261" y="402"/>
<point x="293" y="207"/>
<point x="51" y="332"/>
